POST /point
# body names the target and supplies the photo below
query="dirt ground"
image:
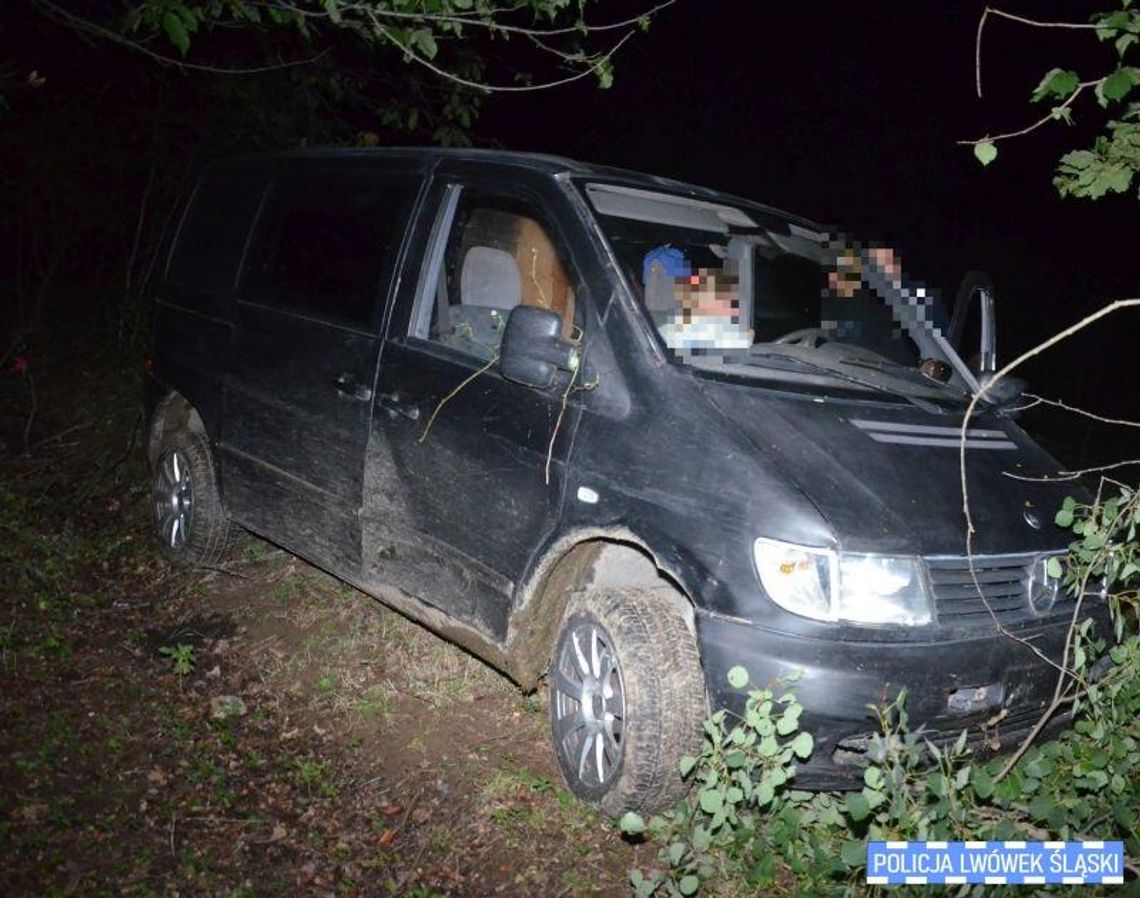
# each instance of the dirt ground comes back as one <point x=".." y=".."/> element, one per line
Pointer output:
<point x="255" y="729"/>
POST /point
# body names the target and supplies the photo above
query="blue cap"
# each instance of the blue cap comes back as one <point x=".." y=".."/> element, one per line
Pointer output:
<point x="671" y="258"/>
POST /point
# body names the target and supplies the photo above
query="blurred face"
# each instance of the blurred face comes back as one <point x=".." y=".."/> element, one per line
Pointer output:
<point x="846" y="277"/>
<point x="709" y="294"/>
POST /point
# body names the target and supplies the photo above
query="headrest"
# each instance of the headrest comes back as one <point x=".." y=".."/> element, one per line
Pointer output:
<point x="490" y="278"/>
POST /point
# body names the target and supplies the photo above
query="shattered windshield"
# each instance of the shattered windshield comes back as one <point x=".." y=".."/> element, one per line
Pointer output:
<point x="743" y="291"/>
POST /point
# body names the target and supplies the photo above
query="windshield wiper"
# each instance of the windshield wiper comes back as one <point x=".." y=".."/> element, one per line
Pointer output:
<point x="888" y="366"/>
<point x="844" y="376"/>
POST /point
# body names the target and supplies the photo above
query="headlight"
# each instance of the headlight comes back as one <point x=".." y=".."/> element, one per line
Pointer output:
<point x="881" y="589"/>
<point x="860" y="589"/>
<point x="797" y="578"/>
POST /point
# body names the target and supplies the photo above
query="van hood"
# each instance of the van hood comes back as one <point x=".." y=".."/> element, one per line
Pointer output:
<point x="887" y="477"/>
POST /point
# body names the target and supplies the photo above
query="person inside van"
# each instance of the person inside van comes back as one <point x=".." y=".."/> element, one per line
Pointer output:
<point x="852" y="311"/>
<point x="706" y="304"/>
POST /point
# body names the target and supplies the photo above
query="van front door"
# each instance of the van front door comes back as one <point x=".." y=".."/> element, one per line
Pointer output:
<point x="465" y="469"/>
<point x="301" y="375"/>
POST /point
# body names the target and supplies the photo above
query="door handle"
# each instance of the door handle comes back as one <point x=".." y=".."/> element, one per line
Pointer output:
<point x="347" y="385"/>
<point x="393" y="405"/>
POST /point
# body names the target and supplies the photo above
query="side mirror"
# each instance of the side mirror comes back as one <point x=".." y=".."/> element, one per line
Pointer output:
<point x="973" y="328"/>
<point x="533" y="351"/>
<point x="1006" y="392"/>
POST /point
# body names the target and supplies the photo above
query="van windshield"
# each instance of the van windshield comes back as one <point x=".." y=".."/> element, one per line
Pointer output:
<point x="741" y="291"/>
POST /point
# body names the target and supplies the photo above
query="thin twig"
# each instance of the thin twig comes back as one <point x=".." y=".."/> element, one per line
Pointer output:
<point x="58" y="436"/>
<point x="78" y="22"/>
<point x="1012" y="366"/>
<point x="592" y="67"/>
<point x="970" y="409"/>
<point x="31" y="413"/>
<point x="1072" y="475"/>
<point x="558" y="420"/>
<point x="487" y="20"/>
<point x="1057" y="403"/>
<point x="455" y="392"/>
<point x="1041" y="122"/>
<point x="1079" y="26"/>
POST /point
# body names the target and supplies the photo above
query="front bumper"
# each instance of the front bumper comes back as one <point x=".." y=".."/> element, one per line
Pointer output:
<point x="992" y="685"/>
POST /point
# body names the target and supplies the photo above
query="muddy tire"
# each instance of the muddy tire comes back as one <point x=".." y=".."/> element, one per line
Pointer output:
<point x="627" y="697"/>
<point x="191" y="525"/>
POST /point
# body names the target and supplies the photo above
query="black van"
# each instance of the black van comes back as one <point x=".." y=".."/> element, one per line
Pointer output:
<point x="613" y="431"/>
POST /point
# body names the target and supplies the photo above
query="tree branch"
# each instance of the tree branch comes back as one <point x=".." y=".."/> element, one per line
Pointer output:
<point x="52" y="10"/>
<point x="592" y="67"/>
<point x="481" y="20"/>
<point x="1012" y="366"/>
<point x="1057" y="403"/>
<point x="1044" y="120"/>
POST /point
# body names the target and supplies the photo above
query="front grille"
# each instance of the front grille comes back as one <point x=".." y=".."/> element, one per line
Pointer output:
<point x="998" y="588"/>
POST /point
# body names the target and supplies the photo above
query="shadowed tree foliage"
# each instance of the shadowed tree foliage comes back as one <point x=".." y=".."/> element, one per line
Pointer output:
<point x="107" y="109"/>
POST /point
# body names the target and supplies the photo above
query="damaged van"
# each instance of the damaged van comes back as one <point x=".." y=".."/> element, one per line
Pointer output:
<point x="612" y="433"/>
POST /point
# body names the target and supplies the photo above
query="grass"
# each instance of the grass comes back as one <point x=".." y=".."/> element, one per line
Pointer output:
<point x="349" y="704"/>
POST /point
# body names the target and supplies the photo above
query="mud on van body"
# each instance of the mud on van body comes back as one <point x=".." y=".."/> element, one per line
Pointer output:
<point x="614" y="432"/>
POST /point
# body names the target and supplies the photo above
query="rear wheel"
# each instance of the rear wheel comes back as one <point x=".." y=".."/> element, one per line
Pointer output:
<point x="190" y="522"/>
<point x="627" y="698"/>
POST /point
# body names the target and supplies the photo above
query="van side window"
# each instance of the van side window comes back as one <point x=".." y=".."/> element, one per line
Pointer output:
<point x="212" y="238"/>
<point x="498" y="255"/>
<point x="327" y="246"/>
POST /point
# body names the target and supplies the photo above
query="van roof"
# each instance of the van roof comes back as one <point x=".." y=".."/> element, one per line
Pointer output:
<point x="540" y="163"/>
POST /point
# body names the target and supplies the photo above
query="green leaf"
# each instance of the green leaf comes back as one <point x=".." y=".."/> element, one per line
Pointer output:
<point x="802" y="745"/>
<point x="1117" y="85"/>
<point x="853" y="854"/>
<point x="425" y="40"/>
<point x="631" y="823"/>
<point x="1063" y="518"/>
<point x="688" y="762"/>
<point x="176" y="31"/>
<point x="985" y="151"/>
<point x="711" y="800"/>
<point x="983" y="783"/>
<point x="332" y="9"/>
<point x="857" y="807"/>
<point x="689" y="885"/>
<point x="738" y="677"/>
<point x="786" y="725"/>
<point x="1056" y="83"/>
<point x="1053" y="565"/>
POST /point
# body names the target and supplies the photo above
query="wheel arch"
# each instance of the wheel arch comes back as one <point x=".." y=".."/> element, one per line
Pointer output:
<point x="615" y="557"/>
<point x="173" y="412"/>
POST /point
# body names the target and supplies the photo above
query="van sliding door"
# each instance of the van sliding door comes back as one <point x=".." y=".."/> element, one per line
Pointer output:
<point x="303" y="360"/>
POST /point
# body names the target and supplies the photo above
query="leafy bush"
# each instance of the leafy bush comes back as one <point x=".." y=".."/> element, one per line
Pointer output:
<point x="745" y="825"/>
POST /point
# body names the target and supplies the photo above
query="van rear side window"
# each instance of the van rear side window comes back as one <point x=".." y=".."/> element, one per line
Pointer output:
<point x="212" y="238"/>
<point x="327" y="246"/>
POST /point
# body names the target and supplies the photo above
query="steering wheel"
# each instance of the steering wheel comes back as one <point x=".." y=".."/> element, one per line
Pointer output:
<point x="805" y="336"/>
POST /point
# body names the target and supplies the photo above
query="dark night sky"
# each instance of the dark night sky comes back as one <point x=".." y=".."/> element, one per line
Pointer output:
<point x="847" y="118"/>
<point x="852" y="120"/>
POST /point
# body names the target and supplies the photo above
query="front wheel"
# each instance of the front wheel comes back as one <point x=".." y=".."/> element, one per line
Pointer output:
<point x="627" y="697"/>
